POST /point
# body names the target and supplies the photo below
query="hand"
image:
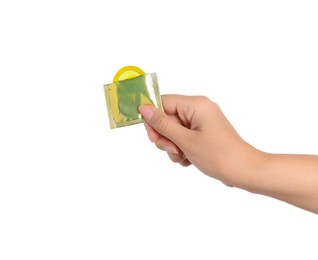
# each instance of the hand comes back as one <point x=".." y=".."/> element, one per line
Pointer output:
<point x="193" y="130"/>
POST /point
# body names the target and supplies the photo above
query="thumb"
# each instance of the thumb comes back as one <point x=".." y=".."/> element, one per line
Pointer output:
<point x="161" y="122"/>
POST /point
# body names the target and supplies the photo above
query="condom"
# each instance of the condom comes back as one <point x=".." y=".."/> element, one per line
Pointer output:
<point x="131" y="88"/>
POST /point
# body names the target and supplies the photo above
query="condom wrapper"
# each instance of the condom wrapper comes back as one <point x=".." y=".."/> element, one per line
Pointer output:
<point x="124" y="97"/>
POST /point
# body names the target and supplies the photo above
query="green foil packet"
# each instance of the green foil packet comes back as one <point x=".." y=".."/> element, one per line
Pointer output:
<point x="124" y="97"/>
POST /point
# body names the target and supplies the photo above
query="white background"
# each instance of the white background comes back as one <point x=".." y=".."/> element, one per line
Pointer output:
<point x="71" y="188"/>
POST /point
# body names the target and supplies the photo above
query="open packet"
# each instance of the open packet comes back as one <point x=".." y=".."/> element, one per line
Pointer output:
<point x="130" y="89"/>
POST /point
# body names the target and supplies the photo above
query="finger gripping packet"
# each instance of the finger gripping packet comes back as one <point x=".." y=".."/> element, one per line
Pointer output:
<point x="124" y="97"/>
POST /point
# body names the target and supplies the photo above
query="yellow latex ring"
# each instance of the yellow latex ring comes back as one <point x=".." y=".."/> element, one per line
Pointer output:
<point x="128" y="72"/>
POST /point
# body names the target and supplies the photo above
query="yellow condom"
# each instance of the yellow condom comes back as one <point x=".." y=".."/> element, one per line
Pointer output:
<point x="128" y="72"/>
<point x="131" y="88"/>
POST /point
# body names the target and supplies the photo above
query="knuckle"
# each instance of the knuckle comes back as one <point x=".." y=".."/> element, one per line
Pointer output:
<point x="175" y="158"/>
<point x="206" y="101"/>
<point x="185" y="163"/>
<point x="207" y="104"/>
<point x="159" y="145"/>
<point x="203" y="99"/>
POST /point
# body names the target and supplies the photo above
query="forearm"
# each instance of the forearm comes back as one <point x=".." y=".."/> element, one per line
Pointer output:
<point x="290" y="178"/>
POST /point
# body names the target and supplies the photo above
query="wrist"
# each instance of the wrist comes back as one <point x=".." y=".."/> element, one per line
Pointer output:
<point x="245" y="170"/>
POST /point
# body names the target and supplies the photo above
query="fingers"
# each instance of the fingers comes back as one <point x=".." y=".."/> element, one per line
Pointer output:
<point x="162" y="143"/>
<point x="152" y="134"/>
<point x="179" y="158"/>
<point x="171" y="131"/>
<point x="165" y="144"/>
<point x="165" y="126"/>
<point x="172" y="103"/>
<point x="173" y="151"/>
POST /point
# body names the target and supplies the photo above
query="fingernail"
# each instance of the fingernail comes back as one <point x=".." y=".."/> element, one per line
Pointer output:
<point x="170" y="149"/>
<point x="146" y="112"/>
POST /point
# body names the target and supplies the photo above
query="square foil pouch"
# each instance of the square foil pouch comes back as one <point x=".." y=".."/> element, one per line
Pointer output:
<point x="124" y="97"/>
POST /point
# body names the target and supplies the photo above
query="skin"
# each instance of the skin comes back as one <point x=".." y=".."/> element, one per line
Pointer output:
<point x="193" y="130"/>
